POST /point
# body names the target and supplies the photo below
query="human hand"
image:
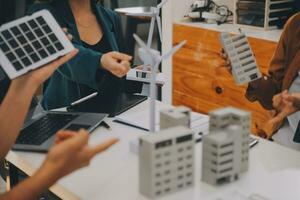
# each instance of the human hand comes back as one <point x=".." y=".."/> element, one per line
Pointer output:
<point x="72" y="152"/>
<point x="69" y="36"/>
<point x="63" y="135"/>
<point x="227" y="63"/>
<point x="277" y="101"/>
<point x="35" y="78"/>
<point x="293" y="98"/>
<point x="38" y="76"/>
<point x="116" y="63"/>
<point x="284" y="104"/>
<point x="271" y="126"/>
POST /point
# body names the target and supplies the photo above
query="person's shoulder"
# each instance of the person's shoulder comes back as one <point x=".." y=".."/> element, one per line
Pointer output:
<point x="294" y="21"/>
<point x="112" y="15"/>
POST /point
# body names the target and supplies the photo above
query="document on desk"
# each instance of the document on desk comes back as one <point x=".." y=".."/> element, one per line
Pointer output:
<point x="140" y="119"/>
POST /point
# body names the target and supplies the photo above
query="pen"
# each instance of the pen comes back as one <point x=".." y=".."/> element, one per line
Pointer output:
<point x="105" y="125"/>
<point x="84" y="99"/>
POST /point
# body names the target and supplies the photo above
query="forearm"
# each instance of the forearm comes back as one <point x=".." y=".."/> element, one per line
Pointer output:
<point x="12" y="114"/>
<point x="33" y="186"/>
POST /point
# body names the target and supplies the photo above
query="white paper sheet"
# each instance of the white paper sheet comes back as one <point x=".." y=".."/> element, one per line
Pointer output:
<point x="199" y="122"/>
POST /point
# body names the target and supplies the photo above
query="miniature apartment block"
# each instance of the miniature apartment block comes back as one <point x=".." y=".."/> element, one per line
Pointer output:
<point x="179" y="116"/>
<point x="224" y="117"/>
<point x="222" y="155"/>
<point x="244" y="66"/>
<point x="166" y="162"/>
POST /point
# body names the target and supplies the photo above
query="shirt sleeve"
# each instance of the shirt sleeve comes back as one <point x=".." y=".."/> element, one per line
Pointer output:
<point x="265" y="88"/>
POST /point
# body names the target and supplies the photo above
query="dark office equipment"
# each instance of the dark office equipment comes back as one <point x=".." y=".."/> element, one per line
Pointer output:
<point x="266" y="14"/>
<point x="104" y="104"/>
<point x="44" y="128"/>
<point x="41" y="126"/>
<point x="297" y="134"/>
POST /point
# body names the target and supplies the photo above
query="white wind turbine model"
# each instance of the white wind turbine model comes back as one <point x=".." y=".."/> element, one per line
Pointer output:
<point x="153" y="58"/>
<point x="154" y="13"/>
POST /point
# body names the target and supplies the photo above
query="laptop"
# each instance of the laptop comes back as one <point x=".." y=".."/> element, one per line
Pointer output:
<point x="38" y="132"/>
<point x="113" y="104"/>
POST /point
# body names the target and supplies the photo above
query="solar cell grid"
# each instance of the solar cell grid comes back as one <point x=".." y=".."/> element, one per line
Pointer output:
<point x="34" y="57"/>
<point x="38" y="32"/>
<point x="7" y="35"/>
<point x="20" y="52"/>
<point x="13" y="43"/>
<point x="30" y="36"/>
<point x="16" y="31"/>
<point x="47" y="29"/>
<point x="37" y="45"/>
<point x="22" y="39"/>
<point x="17" y="65"/>
<point x="4" y="47"/>
<point x="32" y="40"/>
<point x="32" y="24"/>
<point x="24" y="27"/>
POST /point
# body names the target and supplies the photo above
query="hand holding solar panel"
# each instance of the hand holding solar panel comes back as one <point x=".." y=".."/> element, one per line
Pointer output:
<point x="244" y="67"/>
<point x="31" y="42"/>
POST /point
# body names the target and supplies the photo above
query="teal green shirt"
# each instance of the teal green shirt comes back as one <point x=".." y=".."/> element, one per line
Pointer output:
<point x="67" y="84"/>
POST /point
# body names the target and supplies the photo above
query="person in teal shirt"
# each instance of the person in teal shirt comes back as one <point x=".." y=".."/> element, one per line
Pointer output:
<point x="98" y="67"/>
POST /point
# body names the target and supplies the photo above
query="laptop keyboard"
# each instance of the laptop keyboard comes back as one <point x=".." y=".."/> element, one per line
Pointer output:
<point x="42" y="129"/>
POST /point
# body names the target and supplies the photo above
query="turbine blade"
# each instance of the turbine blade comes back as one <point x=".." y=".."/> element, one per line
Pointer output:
<point x="163" y="2"/>
<point x="174" y="50"/>
<point x="142" y="44"/>
<point x="141" y="14"/>
<point x="159" y="27"/>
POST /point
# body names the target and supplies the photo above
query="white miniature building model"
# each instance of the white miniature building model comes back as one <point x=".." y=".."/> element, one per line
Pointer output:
<point x="222" y="118"/>
<point x="222" y="155"/>
<point x="240" y="54"/>
<point x="166" y="162"/>
<point x="179" y="116"/>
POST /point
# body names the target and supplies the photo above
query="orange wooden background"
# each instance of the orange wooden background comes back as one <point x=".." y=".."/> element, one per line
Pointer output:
<point x="200" y="80"/>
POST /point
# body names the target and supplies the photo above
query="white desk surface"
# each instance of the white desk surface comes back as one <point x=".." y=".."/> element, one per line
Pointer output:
<point x="269" y="35"/>
<point x="274" y="171"/>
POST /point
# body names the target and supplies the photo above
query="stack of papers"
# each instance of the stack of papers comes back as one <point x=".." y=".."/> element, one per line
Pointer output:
<point x="140" y="119"/>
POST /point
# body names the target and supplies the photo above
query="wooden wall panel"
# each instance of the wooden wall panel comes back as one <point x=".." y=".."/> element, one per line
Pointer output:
<point x="200" y="80"/>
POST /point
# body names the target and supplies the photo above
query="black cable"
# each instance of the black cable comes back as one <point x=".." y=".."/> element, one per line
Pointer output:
<point x="218" y="9"/>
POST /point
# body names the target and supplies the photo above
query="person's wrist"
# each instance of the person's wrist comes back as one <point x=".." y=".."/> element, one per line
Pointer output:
<point x="23" y="87"/>
<point x="102" y="62"/>
<point x="49" y="173"/>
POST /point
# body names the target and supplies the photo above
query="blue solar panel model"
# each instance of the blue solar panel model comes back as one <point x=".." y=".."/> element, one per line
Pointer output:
<point x="31" y="42"/>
